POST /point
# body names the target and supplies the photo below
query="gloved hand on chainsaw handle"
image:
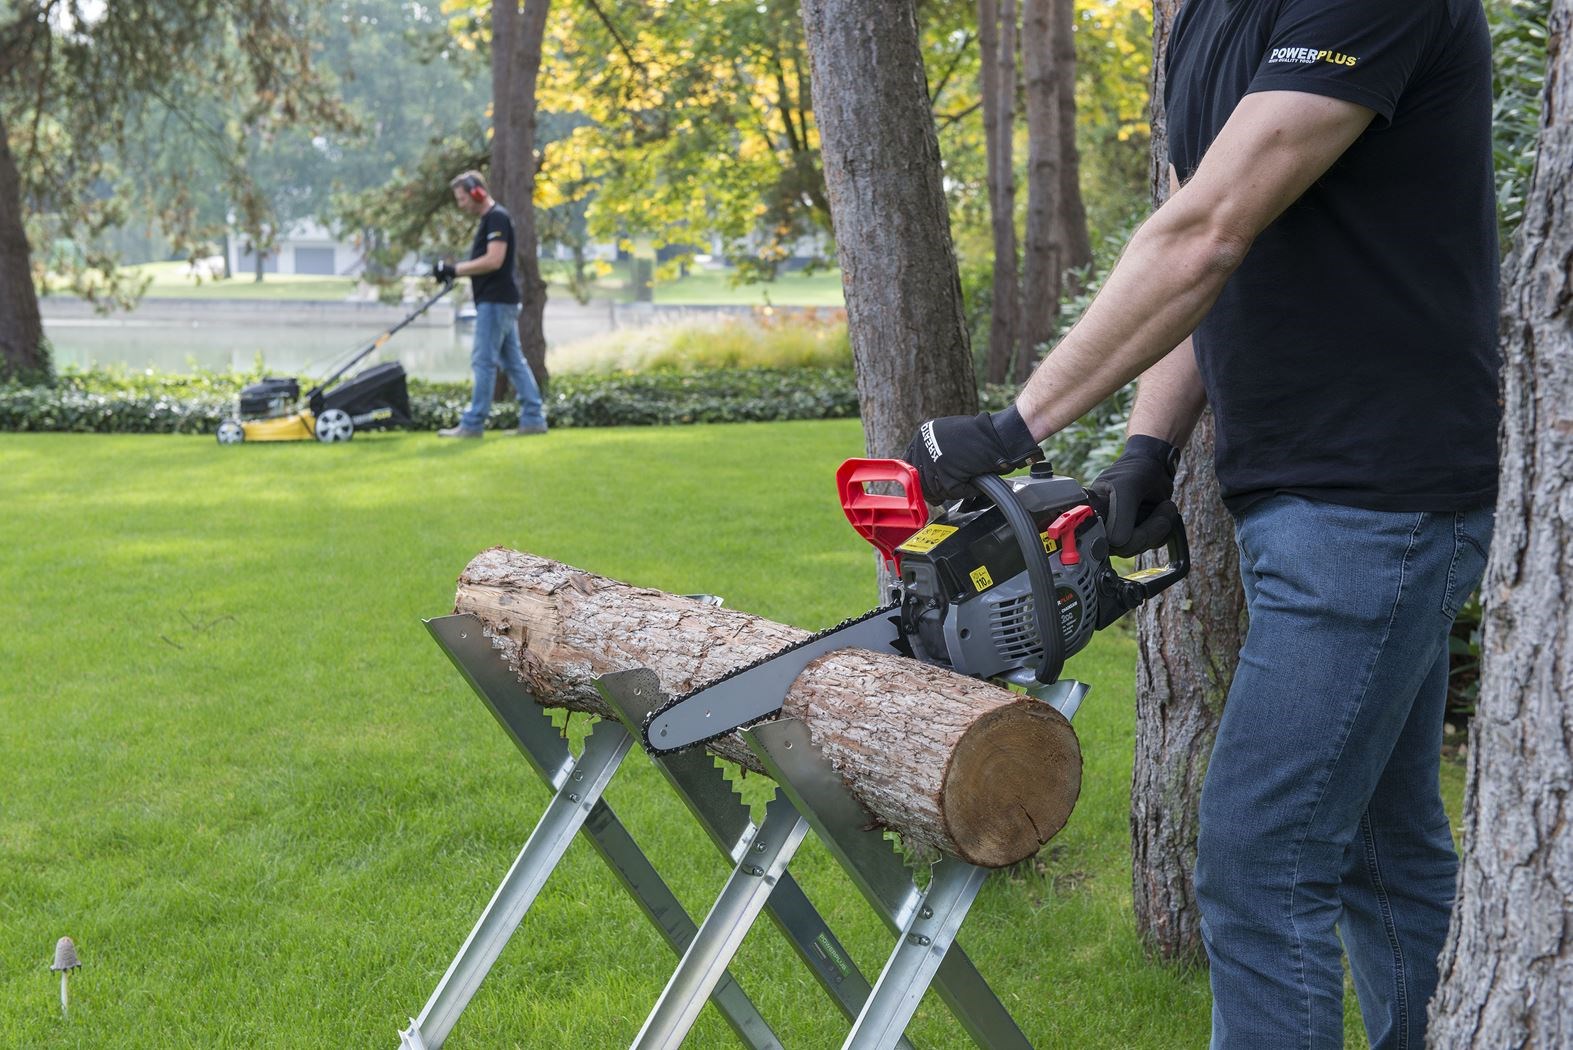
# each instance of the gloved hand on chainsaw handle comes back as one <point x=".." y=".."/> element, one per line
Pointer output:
<point x="1133" y="496"/>
<point x="444" y="271"/>
<point x="950" y="451"/>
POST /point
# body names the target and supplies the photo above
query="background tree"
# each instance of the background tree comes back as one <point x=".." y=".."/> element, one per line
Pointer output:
<point x="1507" y="968"/>
<point x="1190" y="643"/>
<point x="517" y="35"/>
<point x="1057" y="239"/>
<point x="882" y="168"/>
<point x="997" y="85"/>
<point x="75" y="80"/>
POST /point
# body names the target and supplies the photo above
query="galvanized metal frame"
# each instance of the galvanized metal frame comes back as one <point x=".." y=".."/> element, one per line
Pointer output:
<point x="810" y="795"/>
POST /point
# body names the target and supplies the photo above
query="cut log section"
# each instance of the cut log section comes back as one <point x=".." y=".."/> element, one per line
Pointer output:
<point x="953" y="764"/>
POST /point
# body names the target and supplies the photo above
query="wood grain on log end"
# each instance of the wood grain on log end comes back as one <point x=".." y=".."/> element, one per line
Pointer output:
<point x="1011" y="784"/>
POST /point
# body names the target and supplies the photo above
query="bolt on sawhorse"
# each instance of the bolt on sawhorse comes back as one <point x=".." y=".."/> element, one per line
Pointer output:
<point x="809" y="794"/>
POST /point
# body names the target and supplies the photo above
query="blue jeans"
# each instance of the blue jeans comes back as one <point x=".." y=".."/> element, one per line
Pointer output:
<point x="497" y="345"/>
<point x="1321" y="816"/>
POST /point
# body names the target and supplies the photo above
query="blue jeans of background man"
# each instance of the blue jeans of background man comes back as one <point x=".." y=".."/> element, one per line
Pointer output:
<point x="1321" y="815"/>
<point x="497" y="346"/>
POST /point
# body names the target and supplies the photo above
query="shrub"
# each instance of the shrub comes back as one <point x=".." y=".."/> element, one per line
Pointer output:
<point x="119" y="402"/>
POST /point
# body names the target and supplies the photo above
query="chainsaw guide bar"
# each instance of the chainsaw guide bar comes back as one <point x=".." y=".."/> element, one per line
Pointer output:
<point x="738" y="704"/>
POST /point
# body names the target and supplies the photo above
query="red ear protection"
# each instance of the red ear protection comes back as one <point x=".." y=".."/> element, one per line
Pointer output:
<point x="476" y="191"/>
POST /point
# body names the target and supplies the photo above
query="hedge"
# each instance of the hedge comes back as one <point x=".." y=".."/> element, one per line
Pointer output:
<point x="137" y="403"/>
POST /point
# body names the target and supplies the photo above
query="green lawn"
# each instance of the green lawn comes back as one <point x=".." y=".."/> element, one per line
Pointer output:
<point x="236" y="769"/>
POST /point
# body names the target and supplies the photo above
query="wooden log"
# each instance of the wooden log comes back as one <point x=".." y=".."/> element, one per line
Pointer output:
<point x="953" y="764"/>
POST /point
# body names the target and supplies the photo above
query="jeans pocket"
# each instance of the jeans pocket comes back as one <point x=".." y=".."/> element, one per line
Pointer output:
<point x="1471" y="540"/>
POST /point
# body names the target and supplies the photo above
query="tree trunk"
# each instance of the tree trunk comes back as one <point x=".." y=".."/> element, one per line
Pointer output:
<point x="1190" y="642"/>
<point x="21" y="328"/>
<point x="954" y="764"/>
<point x="898" y="265"/>
<point x="997" y="84"/>
<point x="517" y="37"/>
<point x="1507" y="968"/>
<point x="1057" y="238"/>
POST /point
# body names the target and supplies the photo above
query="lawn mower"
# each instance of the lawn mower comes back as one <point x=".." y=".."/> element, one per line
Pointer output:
<point x="271" y="409"/>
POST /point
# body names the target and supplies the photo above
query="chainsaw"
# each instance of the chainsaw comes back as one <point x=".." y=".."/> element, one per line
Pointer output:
<point x="1006" y="585"/>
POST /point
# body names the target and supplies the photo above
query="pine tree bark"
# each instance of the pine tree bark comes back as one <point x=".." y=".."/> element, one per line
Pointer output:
<point x="1057" y="238"/>
<point x="1507" y="968"/>
<point x="21" y="327"/>
<point x="517" y="38"/>
<point x="954" y="764"/>
<point x="887" y="206"/>
<point x="997" y="87"/>
<point x="1190" y="641"/>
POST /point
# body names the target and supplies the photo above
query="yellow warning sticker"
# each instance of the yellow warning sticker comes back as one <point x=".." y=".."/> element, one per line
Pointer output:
<point x="927" y="538"/>
<point x="981" y="578"/>
<point x="1050" y="545"/>
<point x="1147" y="574"/>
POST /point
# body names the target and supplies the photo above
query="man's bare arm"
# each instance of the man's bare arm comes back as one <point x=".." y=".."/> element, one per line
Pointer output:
<point x="1273" y="147"/>
<point x="496" y="253"/>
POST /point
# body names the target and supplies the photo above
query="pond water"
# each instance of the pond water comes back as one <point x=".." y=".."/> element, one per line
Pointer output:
<point x="167" y="345"/>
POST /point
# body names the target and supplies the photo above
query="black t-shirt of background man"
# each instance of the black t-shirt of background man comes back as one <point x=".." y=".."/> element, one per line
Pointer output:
<point x="499" y="285"/>
<point x="1353" y="356"/>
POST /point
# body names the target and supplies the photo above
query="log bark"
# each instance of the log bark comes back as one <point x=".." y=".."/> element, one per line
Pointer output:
<point x="955" y="765"/>
<point x="1507" y="967"/>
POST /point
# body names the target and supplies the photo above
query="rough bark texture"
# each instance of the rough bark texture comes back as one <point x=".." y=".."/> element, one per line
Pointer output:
<point x="21" y="329"/>
<point x="882" y="170"/>
<point x="955" y="765"/>
<point x="1056" y="219"/>
<point x="1507" y="968"/>
<point x="516" y="63"/>
<point x="1190" y="642"/>
<point x="997" y="87"/>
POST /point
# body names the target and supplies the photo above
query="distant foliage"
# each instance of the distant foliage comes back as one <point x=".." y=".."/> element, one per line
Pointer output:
<point x="1518" y="44"/>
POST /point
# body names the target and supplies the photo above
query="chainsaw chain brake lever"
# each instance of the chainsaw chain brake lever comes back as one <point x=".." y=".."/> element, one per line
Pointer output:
<point x="1040" y="573"/>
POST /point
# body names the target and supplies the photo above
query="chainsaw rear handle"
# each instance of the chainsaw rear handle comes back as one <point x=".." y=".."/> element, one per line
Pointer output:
<point x="1040" y="573"/>
<point x="1146" y="583"/>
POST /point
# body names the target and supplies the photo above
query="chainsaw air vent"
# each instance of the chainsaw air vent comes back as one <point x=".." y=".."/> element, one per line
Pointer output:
<point x="1014" y="630"/>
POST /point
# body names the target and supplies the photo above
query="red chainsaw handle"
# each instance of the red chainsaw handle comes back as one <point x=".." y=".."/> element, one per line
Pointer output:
<point x="885" y="521"/>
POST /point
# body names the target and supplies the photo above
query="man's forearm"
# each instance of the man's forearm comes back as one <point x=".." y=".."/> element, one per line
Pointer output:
<point x="1169" y="398"/>
<point x="1161" y="288"/>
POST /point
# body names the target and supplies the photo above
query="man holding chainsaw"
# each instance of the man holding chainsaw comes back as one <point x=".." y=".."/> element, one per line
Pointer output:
<point x="490" y="270"/>
<point x="1324" y="276"/>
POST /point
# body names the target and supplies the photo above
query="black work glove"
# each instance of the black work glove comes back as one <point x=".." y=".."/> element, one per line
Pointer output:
<point x="952" y="450"/>
<point x="443" y="270"/>
<point x="1133" y="495"/>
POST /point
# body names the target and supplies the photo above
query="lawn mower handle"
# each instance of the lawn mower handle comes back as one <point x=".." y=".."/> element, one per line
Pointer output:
<point x="382" y="338"/>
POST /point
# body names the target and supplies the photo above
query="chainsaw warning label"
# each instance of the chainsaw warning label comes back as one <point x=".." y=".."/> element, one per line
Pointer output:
<point x="981" y="578"/>
<point x="927" y="538"/>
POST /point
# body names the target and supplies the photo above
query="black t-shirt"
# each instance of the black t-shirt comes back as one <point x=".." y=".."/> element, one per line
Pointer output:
<point x="1353" y="356"/>
<point x="499" y="285"/>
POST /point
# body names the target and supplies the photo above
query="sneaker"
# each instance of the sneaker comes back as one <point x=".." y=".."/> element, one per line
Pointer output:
<point x="459" y="432"/>
<point x="537" y="429"/>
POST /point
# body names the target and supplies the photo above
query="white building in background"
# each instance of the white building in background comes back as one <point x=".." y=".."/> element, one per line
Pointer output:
<point x="305" y="248"/>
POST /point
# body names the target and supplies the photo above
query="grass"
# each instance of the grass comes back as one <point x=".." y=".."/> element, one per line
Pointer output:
<point x="782" y="341"/>
<point x="236" y="769"/>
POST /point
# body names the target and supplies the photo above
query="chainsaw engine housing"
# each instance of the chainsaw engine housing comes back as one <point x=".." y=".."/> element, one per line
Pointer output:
<point x="965" y="597"/>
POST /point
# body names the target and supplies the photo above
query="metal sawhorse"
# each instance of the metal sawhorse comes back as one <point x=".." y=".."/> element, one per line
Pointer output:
<point x="809" y="794"/>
